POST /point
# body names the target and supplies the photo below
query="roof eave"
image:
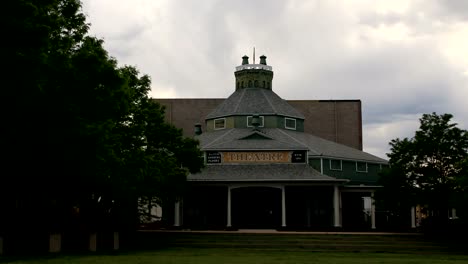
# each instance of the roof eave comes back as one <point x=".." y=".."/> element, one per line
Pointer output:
<point x="383" y="162"/>
<point x="270" y="180"/>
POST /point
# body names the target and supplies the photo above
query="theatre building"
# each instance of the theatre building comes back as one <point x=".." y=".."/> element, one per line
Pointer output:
<point x="272" y="165"/>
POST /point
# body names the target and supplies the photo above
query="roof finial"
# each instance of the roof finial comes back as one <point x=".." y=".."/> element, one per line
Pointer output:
<point x="254" y="55"/>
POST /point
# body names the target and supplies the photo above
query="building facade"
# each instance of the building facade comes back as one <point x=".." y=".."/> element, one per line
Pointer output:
<point x="268" y="166"/>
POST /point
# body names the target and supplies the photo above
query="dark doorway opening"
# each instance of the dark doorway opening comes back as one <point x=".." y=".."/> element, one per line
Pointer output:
<point x="309" y="208"/>
<point x="355" y="215"/>
<point x="205" y="207"/>
<point x="256" y="207"/>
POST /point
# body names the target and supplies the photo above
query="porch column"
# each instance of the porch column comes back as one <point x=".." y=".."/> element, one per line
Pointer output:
<point x="413" y="217"/>
<point x="454" y="213"/>
<point x="177" y="213"/>
<point x="229" y="224"/>
<point x="372" y="211"/>
<point x="336" y="206"/>
<point x="283" y="207"/>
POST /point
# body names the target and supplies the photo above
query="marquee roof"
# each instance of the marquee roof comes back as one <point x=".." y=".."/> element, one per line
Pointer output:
<point x="261" y="172"/>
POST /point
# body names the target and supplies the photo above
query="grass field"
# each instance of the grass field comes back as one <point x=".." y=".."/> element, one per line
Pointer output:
<point x="183" y="248"/>
<point x="241" y="256"/>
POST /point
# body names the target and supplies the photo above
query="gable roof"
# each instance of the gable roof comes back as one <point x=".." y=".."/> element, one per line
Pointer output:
<point x="236" y="139"/>
<point x="256" y="135"/>
<point x="248" y="101"/>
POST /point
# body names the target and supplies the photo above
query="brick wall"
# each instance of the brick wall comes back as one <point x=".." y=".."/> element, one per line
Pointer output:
<point x="335" y="120"/>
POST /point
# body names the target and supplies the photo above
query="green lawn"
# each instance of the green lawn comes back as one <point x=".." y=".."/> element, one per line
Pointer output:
<point x="242" y="256"/>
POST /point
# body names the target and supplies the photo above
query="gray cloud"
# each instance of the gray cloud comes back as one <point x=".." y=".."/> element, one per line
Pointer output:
<point x="392" y="61"/>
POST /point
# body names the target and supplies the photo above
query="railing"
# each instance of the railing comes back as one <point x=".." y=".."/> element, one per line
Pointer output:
<point x="254" y="67"/>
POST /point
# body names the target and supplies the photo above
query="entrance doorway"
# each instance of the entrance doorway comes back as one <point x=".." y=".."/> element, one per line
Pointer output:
<point x="356" y="210"/>
<point x="256" y="207"/>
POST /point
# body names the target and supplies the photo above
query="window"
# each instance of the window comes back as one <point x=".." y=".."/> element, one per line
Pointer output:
<point x="336" y="165"/>
<point x="220" y="123"/>
<point x="361" y="166"/>
<point x="249" y="121"/>
<point x="290" y="123"/>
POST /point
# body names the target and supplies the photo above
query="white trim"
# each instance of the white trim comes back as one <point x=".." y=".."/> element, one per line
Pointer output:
<point x="321" y="165"/>
<point x="224" y="123"/>
<point x="291" y="128"/>
<point x="341" y="165"/>
<point x="357" y="170"/>
<point x="348" y="159"/>
<point x="261" y="117"/>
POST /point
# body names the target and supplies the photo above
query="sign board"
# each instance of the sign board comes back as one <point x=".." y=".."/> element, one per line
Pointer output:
<point x="256" y="157"/>
<point x="298" y="156"/>
<point x="213" y="157"/>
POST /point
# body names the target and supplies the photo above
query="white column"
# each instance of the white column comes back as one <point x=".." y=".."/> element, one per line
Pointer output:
<point x="283" y="207"/>
<point x="116" y="241"/>
<point x="372" y="211"/>
<point x="177" y="213"/>
<point x="413" y="217"/>
<point x="55" y="243"/>
<point x="336" y="206"/>
<point x="93" y="242"/>
<point x="229" y="224"/>
<point x="454" y="213"/>
<point x="1" y="246"/>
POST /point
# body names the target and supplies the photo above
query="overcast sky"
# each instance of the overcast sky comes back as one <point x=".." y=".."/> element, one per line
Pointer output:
<point x="400" y="58"/>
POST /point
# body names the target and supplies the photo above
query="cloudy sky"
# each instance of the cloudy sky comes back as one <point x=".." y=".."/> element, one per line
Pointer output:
<point x="401" y="58"/>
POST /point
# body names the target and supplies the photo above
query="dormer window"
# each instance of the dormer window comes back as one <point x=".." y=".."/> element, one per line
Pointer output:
<point x="249" y="121"/>
<point x="219" y="123"/>
<point x="290" y="123"/>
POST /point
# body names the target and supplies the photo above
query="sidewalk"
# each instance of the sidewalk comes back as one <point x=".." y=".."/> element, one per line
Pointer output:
<point x="273" y="231"/>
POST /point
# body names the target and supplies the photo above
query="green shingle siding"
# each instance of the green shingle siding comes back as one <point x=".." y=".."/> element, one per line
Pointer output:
<point x="348" y="171"/>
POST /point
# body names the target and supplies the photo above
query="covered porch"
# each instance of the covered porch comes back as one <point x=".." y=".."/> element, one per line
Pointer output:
<point x="273" y="196"/>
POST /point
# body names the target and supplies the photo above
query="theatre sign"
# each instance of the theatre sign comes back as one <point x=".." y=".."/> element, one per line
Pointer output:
<point x="236" y="157"/>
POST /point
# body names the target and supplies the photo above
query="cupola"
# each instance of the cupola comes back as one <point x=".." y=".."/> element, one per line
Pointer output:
<point x="254" y="75"/>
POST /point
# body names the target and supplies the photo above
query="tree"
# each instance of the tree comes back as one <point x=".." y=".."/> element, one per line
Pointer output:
<point x="81" y="135"/>
<point x="428" y="169"/>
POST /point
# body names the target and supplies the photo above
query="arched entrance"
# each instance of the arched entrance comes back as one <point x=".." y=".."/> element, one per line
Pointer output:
<point x="256" y="207"/>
